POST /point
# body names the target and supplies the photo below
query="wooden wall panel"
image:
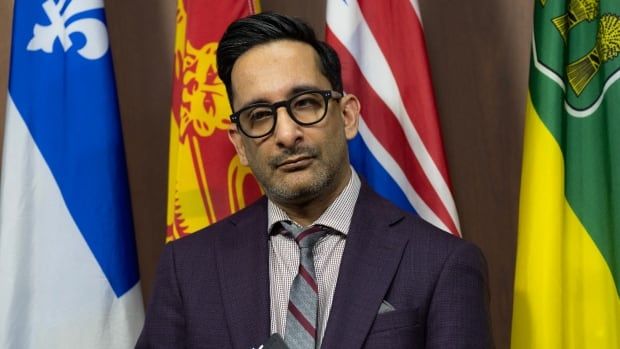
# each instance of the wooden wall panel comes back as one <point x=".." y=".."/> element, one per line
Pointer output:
<point x="479" y="56"/>
<point x="142" y="40"/>
<point x="6" y="19"/>
<point x="311" y="11"/>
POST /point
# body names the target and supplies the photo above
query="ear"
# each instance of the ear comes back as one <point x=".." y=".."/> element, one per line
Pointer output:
<point x="236" y="139"/>
<point x="351" y="115"/>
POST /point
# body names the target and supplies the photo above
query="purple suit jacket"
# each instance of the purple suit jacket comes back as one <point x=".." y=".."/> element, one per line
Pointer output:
<point x="212" y="288"/>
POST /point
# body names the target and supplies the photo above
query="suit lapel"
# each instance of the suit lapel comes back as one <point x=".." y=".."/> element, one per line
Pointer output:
<point x="369" y="263"/>
<point x="243" y="266"/>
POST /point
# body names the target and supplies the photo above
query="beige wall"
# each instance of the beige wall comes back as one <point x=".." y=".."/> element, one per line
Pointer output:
<point x="479" y="57"/>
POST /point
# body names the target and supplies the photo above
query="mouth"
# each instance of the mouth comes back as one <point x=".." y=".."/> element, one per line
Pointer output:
<point x="295" y="163"/>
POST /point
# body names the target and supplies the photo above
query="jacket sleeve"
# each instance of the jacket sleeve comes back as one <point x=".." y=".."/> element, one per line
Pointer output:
<point x="458" y="316"/>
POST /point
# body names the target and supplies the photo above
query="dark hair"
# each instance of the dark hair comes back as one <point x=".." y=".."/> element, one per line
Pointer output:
<point x="245" y="33"/>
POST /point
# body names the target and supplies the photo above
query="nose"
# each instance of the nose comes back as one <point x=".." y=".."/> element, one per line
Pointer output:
<point x="287" y="132"/>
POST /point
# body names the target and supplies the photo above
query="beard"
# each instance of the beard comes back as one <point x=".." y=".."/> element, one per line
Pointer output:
<point x="321" y="178"/>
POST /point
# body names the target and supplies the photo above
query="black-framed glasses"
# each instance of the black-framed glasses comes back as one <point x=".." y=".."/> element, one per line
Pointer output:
<point x="305" y="108"/>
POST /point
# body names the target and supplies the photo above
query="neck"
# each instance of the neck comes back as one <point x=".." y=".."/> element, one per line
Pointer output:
<point x="307" y="211"/>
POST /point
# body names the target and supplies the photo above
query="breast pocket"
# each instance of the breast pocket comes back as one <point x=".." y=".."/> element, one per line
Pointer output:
<point x="396" y="329"/>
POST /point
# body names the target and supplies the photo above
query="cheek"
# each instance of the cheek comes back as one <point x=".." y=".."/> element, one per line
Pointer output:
<point x="335" y="143"/>
<point x="254" y="155"/>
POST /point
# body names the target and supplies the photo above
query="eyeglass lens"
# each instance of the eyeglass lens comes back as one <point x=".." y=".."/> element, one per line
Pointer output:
<point x="306" y="109"/>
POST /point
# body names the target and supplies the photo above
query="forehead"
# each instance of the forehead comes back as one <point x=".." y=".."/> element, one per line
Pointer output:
<point x="271" y="71"/>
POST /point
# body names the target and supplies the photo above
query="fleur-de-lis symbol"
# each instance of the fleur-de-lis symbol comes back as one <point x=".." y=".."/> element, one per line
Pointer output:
<point x="94" y="30"/>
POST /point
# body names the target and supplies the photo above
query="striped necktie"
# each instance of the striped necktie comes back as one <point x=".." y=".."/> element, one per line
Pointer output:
<point x="301" y="319"/>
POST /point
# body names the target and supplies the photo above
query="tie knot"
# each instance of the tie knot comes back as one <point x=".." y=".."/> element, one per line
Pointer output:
<point x="305" y="238"/>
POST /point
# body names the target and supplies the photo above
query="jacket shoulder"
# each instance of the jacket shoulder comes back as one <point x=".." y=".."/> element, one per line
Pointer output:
<point x="252" y="214"/>
<point x="423" y="237"/>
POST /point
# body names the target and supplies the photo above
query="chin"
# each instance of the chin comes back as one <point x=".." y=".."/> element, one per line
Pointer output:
<point x="297" y="192"/>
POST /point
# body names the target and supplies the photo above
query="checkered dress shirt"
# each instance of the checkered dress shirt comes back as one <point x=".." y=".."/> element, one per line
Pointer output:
<point x="284" y="257"/>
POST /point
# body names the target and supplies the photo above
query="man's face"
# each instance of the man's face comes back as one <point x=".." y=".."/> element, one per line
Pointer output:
<point x="294" y="164"/>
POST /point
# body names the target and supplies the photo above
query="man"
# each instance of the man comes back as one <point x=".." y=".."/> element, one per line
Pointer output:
<point x="321" y="260"/>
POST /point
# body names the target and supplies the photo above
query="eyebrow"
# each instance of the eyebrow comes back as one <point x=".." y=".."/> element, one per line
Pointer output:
<point x="295" y="90"/>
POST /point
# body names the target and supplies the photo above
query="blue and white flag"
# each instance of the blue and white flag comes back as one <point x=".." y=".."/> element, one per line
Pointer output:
<point x="68" y="266"/>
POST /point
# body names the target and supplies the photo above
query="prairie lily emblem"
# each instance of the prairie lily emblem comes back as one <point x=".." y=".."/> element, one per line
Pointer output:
<point x="67" y="18"/>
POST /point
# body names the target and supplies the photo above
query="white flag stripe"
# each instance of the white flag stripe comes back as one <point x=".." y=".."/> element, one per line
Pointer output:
<point x="348" y="24"/>
<point x="48" y="270"/>
<point x="416" y="8"/>
<point x="391" y="166"/>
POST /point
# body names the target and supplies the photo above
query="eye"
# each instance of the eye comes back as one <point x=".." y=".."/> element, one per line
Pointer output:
<point x="310" y="101"/>
<point x="259" y="114"/>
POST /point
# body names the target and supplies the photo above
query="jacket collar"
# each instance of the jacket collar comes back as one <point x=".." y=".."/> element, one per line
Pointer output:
<point x="371" y="257"/>
<point x="243" y="266"/>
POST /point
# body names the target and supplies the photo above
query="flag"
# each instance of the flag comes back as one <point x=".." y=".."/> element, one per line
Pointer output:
<point x="206" y="181"/>
<point x="67" y="250"/>
<point x="399" y="148"/>
<point x="567" y="282"/>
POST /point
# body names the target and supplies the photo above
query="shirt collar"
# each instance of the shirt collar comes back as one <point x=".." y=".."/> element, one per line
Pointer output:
<point x="337" y="216"/>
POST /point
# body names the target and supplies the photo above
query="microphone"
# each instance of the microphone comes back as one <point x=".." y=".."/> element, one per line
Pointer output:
<point x="274" y="342"/>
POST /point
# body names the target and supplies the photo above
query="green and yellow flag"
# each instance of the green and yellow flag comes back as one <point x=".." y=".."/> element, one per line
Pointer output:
<point x="567" y="281"/>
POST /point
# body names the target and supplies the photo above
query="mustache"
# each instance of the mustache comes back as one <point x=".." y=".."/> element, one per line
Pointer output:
<point x="298" y="151"/>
